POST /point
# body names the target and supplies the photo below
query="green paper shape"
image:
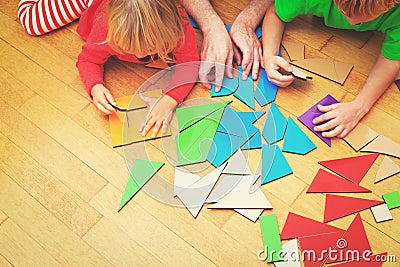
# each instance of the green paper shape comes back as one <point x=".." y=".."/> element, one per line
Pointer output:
<point x="141" y="172"/>
<point x="296" y="141"/>
<point x="392" y="199"/>
<point x="272" y="240"/>
<point x="188" y="116"/>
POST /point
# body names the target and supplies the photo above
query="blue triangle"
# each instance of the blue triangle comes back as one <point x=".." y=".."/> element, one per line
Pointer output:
<point x="266" y="90"/>
<point x="274" y="164"/>
<point x="245" y="92"/>
<point x="254" y="142"/>
<point x="296" y="141"/>
<point x="229" y="86"/>
<point x="232" y="123"/>
<point x="224" y="145"/>
<point x="258" y="31"/>
<point x="250" y="117"/>
<point x="275" y="125"/>
<point x="193" y="23"/>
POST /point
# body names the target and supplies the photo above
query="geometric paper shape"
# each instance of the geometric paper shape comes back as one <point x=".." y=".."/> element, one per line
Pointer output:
<point x="250" y="116"/>
<point x="237" y="164"/>
<point x="223" y="188"/>
<point x="360" y="136"/>
<point x="386" y="169"/>
<point x="157" y="64"/>
<point x="397" y="82"/>
<point x="245" y="91"/>
<point x="194" y="196"/>
<point x="275" y="125"/>
<point x="193" y="22"/>
<point x="307" y="117"/>
<point x="296" y="141"/>
<point x="299" y="226"/>
<point x="328" y="68"/>
<point x="341" y="206"/>
<point x="351" y="168"/>
<point x="392" y="199"/>
<point x="229" y="86"/>
<point x="270" y="234"/>
<point x="371" y="261"/>
<point x="265" y="90"/>
<point x="294" y="50"/>
<point x="383" y="145"/>
<point x="326" y="182"/>
<point x="299" y="74"/>
<point x="354" y="240"/>
<point x="318" y="244"/>
<point x="254" y="142"/>
<point x="234" y="124"/>
<point x="131" y="102"/>
<point x="274" y="164"/>
<point x="141" y="172"/>
<point x="292" y="256"/>
<point x="183" y="179"/>
<point x="251" y="214"/>
<point x="381" y="213"/>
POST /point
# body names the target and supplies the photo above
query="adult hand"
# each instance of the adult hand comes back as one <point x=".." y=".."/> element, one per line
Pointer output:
<point x="339" y="118"/>
<point x="272" y="66"/>
<point x="102" y="99"/>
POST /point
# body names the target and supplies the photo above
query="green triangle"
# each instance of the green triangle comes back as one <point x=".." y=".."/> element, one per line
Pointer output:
<point x="188" y="116"/>
<point x="141" y="172"/>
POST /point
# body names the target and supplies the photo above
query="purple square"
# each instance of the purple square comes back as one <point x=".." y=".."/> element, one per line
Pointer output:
<point x="397" y="82"/>
<point x="307" y="117"/>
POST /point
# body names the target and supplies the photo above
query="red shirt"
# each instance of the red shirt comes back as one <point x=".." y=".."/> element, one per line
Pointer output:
<point x="93" y="28"/>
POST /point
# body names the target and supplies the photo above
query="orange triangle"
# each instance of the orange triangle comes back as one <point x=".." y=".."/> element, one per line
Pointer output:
<point x="158" y="64"/>
<point x="352" y="168"/>
<point x="326" y="182"/>
<point x="386" y="169"/>
<point x="340" y="206"/>
<point x="299" y="226"/>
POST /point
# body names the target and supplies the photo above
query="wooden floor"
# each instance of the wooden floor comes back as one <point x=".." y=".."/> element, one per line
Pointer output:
<point x="61" y="181"/>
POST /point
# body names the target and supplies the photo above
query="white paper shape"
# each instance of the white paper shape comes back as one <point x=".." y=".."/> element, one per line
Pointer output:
<point x="251" y="214"/>
<point x="183" y="180"/>
<point x="224" y="187"/>
<point x="383" y="145"/>
<point x="238" y="165"/>
<point x="193" y="197"/>
<point x="381" y="213"/>
<point x="386" y="169"/>
<point x="292" y="256"/>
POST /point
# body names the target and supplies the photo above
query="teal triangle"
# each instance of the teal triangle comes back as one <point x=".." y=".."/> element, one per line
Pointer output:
<point x="232" y="123"/>
<point x="229" y="86"/>
<point x="274" y="164"/>
<point x="251" y="117"/>
<point x="266" y="90"/>
<point x="141" y="172"/>
<point x="245" y="91"/>
<point x="254" y="142"/>
<point x="296" y="141"/>
<point x="275" y="125"/>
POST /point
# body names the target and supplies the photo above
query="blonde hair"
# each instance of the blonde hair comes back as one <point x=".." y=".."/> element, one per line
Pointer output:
<point x="144" y="26"/>
<point x="356" y="8"/>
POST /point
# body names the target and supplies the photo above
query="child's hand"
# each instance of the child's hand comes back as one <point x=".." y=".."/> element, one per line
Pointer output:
<point x="273" y="65"/>
<point x="339" y="118"/>
<point x="101" y="99"/>
<point x="160" y="114"/>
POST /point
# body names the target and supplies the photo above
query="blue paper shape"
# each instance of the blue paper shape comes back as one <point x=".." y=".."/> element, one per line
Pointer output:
<point x="224" y="145"/>
<point x="229" y="86"/>
<point x="193" y="23"/>
<point x="258" y="31"/>
<point x="274" y="164"/>
<point x="275" y="125"/>
<point x="245" y="91"/>
<point x="250" y="116"/>
<point x="232" y="123"/>
<point x="254" y="142"/>
<point x="266" y="90"/>
<point x="296" y="141"/>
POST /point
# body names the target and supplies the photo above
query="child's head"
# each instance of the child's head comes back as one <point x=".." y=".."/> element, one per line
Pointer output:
<point x="357" y="11"/>
<point x="144" y="27"/>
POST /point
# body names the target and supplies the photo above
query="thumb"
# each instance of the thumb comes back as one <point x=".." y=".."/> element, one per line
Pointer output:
<point x="109" y="97"/>
<point x="284" y="64"/>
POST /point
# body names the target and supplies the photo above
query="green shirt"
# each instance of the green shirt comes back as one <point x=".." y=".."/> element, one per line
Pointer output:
<point x="388" y="22"/>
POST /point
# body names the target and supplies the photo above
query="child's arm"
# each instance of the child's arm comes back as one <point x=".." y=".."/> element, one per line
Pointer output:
<point x="272" y="29"/>
<point x="343" y="117"/>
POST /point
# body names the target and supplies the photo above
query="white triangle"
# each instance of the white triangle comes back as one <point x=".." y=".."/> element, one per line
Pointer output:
<point x="292" y="256"/>
<point x="386" y="169"/>
<point x="183" y="179"/>
<point x="251" y="214"/>
<point x="238" y="164"/>
<point x="193" y="197"/>
<point x="224" y="187"/>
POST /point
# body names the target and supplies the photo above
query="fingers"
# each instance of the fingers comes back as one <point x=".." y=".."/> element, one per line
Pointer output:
<point x="229" y="65"/>
<point x="283" y="64"/>
<point x="344" y="133"/>
<point x="327" y="108"/>
<point x="102" y="109"/>
<point x="156" y="128"/>
<point x="260" y="53"/>
<point x="324" y="117"/>
<point x="109" y="97"/>
<point x="149" y="124"/>
<point x="256" y="63"/>
<point x="204" y="70"/>
<point x="141" y="127"/>
<point x="248" y="57"/>
<point x="337" y="131"/>
<point x="330" y="124"/>
<point x="279" y="79"/>
<point x="237" y="55"/>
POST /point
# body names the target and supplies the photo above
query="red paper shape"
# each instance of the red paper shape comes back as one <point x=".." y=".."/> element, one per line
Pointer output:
<point x="354" y="243"/>
<point x="300" y="226"/>
<point x="352" y="168"/>
<point x="340" y="206"/>
<point x="326" y="182"/>
<point x="315" y="248"/>
<point x="372" y="261"/>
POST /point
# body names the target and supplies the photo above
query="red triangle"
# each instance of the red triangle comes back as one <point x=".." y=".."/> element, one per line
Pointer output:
<point x="353" y="168"/>
<point x="326" y="182"/>
<point x="340" y="206"/>
<point x="353" y="244"/>
<point x="314" y="249"/>
<point x="372" y="261"/>
<point x="299" y="226"/>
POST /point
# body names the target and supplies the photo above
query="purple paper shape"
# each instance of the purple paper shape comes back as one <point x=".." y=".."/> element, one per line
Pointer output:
<point x="307" y="117"/>
<point x="397" y="82"/>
